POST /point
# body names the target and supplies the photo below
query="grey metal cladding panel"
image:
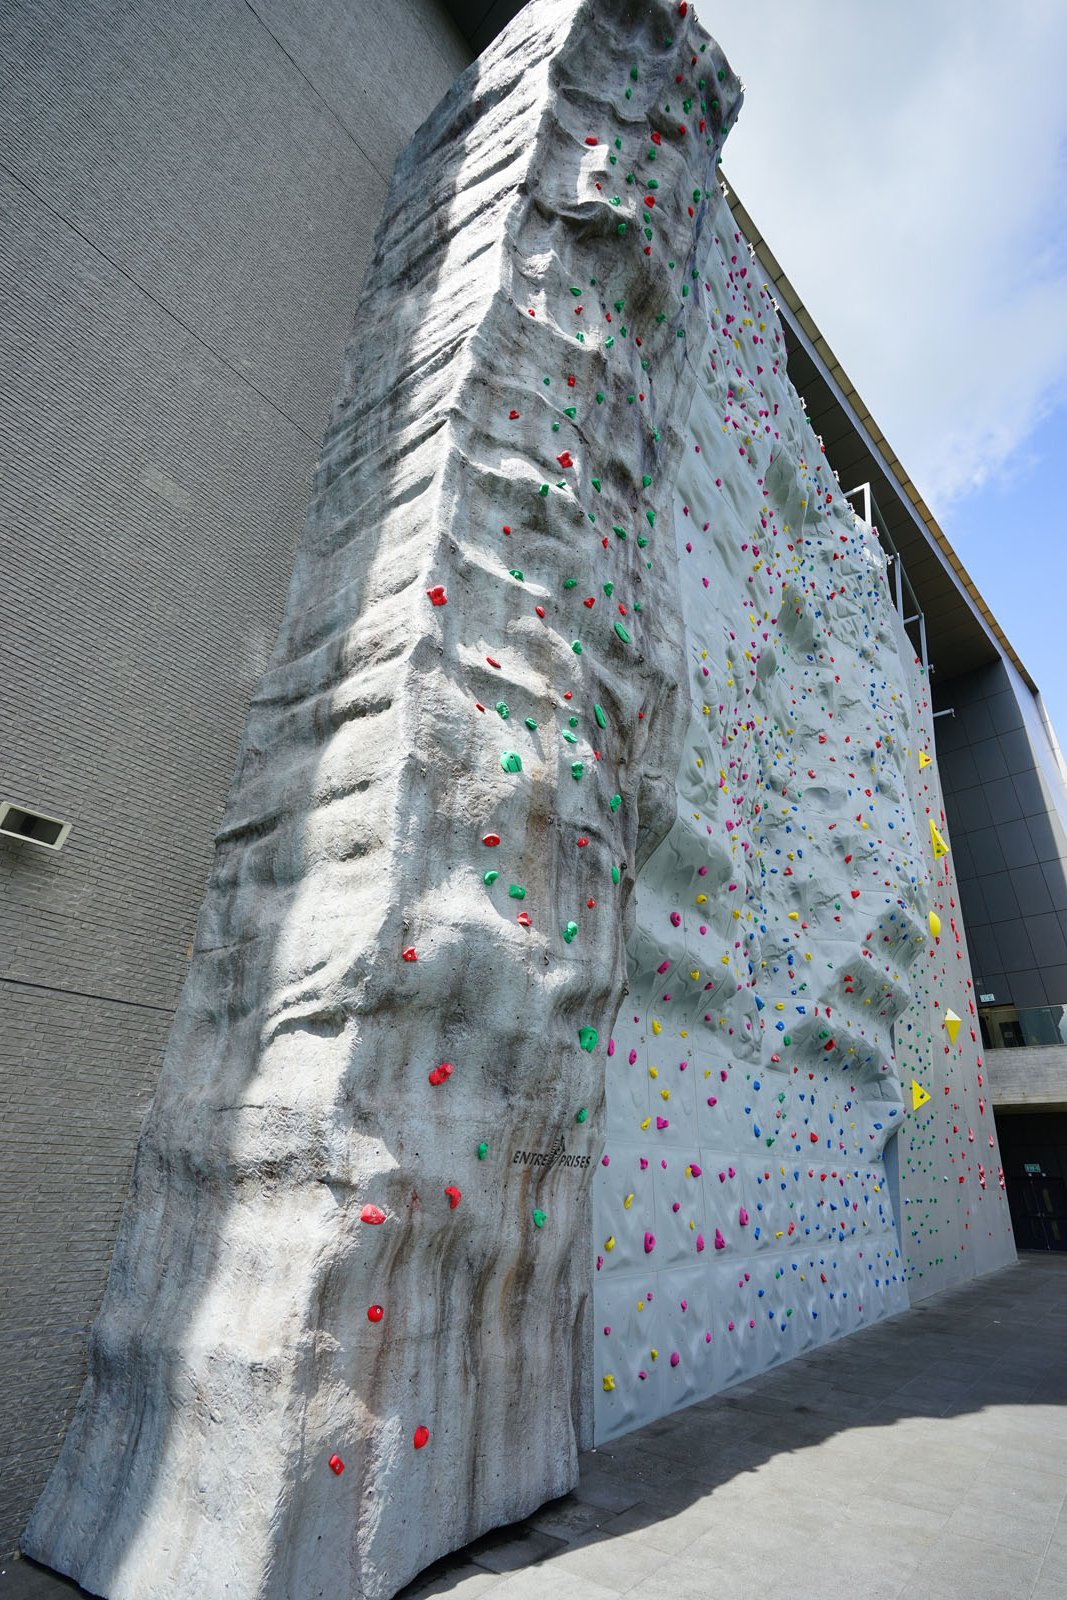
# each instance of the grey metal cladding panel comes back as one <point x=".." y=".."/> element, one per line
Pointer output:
<point x="1055" y="876"/>
<point x="976" y="721"/>
<point x="963" y="855"/>
<point x="998" y="891"/>
<point x="1016" y="951"/>
<point x="1005" y="710"/>
<point x="1048" y="936"/>
<point x="416" y="50"/>
<point x="76" y="1077"/>
<point x="1031" y="891"/>
<point x="1049" y="838"/>
<point x="1002" y="801"/>
<point x="968" y="809"/>
<point x="1031" y="793"/>
<point x="985" y="955"/>
<point x="1056" y="985"/>
<point x="1017" y="751"/>
<point x="154" y="501"/>
<point x="985" y="847"/>
<point x="184" y="144"/>
<point x="957" y="770"/>
<point x="1028" y="988"/>
<point x="989" y="760"/>
<point x="1017" y="844"/>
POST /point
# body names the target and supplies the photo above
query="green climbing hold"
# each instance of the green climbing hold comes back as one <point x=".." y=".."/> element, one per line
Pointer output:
<point x="490" y="878"/>
<point x="577" y="770"/>
<point x="577" y="647"/>
<point x="504" y="709"/>
<point x="622" y="633"/>
<point x="540" y="1218"/>
<point x="587" y="1038"/>
<point x="614" y="874"/>
<point x="531" y="724"/>
<point x="609" y="589"/>
<point x="600" y="399"/>
<point x="511" y="761"/>
<point x="570" y="931"/>
<point x="543" y="489"/>
<point x="517" y="573"/>
<point x="596" y="484"/>
<point x="570" y="583"/>
<point x="582" y="1115"/>
<point x="642" y="541"/>
<point x="576" y="292"/>
<point x="516" y="891"/>
<point x="646" y="481"/>
<point x="621" y="532"/>
<point x="570" y="411"/>
<point x="650" y="517"/>
<point x="483" y="1150"/>
<point x="570" y="737"/>
<point x="621" y="229"/>
<point x="601" y="719"/>
<point x="615" y="802"/>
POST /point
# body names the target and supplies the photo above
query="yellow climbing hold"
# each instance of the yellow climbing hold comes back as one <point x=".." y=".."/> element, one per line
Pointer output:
<point x="935" y="924"/>
<point x="925" y="761"/>
<point x="628" y="1202"/>
<point x="609" y="1382"/>
<point x="656" y="1026"/>
<point x="609" y="1242"/>
<point x="919" y="1096"/>
<point x="940" y="847"/>
<point x="952" y="1024"/>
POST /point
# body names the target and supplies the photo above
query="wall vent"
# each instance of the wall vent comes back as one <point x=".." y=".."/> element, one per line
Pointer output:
<point x="32" y="827"/>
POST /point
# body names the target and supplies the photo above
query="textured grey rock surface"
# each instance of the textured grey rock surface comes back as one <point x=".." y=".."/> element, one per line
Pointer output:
<point x="234" y="1355"/>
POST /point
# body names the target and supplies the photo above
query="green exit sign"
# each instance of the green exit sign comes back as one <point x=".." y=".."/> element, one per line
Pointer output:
<point x="1033" y="1167"/>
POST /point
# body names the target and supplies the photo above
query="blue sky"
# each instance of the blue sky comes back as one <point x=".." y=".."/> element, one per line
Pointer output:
<point x="907" y="162"/>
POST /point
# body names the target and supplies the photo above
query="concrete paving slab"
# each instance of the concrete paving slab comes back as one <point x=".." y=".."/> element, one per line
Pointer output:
<point x="923" y="1459"/>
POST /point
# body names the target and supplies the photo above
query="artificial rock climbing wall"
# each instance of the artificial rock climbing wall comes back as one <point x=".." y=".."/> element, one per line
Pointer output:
<point x="784" y="937"/>
<point x="954" y="1218"/>
<point x="347" y="1326"/>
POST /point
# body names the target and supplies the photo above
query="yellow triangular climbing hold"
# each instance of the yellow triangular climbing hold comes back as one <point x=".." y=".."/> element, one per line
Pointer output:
<point x="919" y="1096"/>
<point x="952" y="1024"/>
<point x="925" y="761"/>
<point x="940" y="847"/>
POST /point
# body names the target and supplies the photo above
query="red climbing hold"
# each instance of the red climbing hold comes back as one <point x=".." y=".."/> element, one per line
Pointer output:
<point x="491" y="839"/>
<point x="514" y="415"/>
<point x="442" y="1073"/>
<point x="409" y="953"/>
<point x="657" y="138"/>
<point x="336" y="1465"/>
<point x="372" y="1214"/>
<point x="649" y="201"/>
<point x="493" y="663"/>
<point x="582" y="842"/>
<point x="422" y="1437"/>
<point x="540" y="612"/>
<point x="683" y="9"/>
<point x="437" y="595"/>
<point x="375" y="1313"/>
<point x="523" y="920"/>
<point x="454" y="1197"/>
<point x="590" y="603"/>
<point x="591" y="139"/>
<point x="565" y="459"/>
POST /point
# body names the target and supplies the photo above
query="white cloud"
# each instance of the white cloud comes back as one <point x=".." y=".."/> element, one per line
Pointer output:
<point x="907" y="164"/>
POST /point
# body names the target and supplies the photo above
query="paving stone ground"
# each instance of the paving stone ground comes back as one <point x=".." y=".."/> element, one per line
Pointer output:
<point x="921" y="1459"/>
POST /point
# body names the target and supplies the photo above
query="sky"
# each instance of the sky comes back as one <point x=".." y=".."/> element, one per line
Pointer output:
<point x="906" y="161"/>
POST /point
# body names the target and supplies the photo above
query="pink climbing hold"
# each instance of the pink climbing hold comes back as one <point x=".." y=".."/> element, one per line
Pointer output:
<point x="676" y="919"/>
<point x="675" y="1358"/>
<point x="650" y="1243"/>
<point x="700" y="1243"/>
<point x="661" y="1123"/>
<point x="720" y="1242"/>
<point x="742" y="1217"/>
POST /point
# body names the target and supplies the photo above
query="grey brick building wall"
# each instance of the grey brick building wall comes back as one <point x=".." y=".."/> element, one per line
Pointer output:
<point x="189" y="197"/>
<point x="1008" y="838"/>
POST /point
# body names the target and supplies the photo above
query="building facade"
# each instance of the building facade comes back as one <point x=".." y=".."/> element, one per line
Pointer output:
<point x="191" y="201"/>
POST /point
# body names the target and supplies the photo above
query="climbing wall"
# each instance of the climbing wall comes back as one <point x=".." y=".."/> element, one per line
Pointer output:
<point x="347" y="1326"/>
<point x="954" y="1208"/>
